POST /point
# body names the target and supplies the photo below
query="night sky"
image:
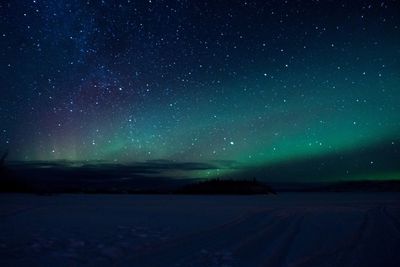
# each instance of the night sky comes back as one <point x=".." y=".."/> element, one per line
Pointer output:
<point x="304" y="88"/>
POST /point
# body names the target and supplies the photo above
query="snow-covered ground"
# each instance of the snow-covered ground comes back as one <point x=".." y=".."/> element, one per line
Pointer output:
<point x="292" y="229"/>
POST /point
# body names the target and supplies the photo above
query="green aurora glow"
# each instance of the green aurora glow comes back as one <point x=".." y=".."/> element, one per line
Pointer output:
<point x="277" y="91"/>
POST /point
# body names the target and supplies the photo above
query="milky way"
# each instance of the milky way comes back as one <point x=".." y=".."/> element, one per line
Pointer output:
<point x="241" y="84"/>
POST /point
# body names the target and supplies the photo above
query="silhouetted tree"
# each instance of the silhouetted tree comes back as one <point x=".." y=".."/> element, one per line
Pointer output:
<point x="2" y="161"/>
<point x="8" y="181"/>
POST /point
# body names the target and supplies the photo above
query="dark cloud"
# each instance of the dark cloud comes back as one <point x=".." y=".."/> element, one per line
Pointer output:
<point x="104" y="170"/>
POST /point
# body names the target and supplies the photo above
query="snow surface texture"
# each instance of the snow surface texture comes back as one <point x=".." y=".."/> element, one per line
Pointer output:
<point x="293" y="229"/>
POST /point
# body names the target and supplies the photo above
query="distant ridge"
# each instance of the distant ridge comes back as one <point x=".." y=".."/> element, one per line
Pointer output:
<point x="227" y="187"/>
<point x="145" y="178"/>
<point x="359" y="186"/>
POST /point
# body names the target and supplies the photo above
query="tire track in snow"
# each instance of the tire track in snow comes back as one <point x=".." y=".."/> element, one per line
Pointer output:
<point x="221" y="237"/>
<point x="391" y="218"/>
<point x="279" y="254"/>
<point x="353" y="252"/>
<point x="333" y="257"/>
<point x="269" y="243"/>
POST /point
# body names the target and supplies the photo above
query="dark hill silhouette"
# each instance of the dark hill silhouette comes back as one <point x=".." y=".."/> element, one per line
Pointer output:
<point x="227" y="187"/>
<point x="358" y="186"/>
<point x="65" y="177"/>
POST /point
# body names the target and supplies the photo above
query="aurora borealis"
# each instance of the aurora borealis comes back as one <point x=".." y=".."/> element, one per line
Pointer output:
<point x="245" y="85"/>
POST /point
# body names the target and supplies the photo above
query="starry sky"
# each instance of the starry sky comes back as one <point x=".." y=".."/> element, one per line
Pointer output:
<point x="246" y="87"/>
